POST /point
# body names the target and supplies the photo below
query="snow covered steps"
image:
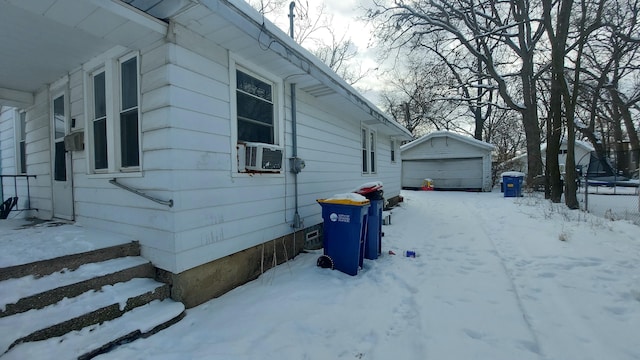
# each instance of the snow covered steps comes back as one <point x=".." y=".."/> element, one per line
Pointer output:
<point x="82" y="309"/>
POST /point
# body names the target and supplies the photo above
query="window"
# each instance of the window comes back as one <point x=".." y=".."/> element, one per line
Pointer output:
<point x="365" y="161"/>
<point x="393" y="151"/>
<point x="22" y="148"/>
<point x="372" y="151"/>
<point x="255" y="109"/>
<point x="129" y="145"/>
<point x="99" y="122"/>
<point x="114" y="120"/>
<point x="368" y="151"/>
<point x="60" y="159"/>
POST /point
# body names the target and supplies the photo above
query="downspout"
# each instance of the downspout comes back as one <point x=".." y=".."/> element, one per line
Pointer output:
<point x="296" y="164"/>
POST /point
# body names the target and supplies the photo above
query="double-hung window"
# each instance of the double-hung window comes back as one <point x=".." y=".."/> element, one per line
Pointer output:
<point x="114" y="124"/>
<point x="21" y="159"/>
<point x="255" y="109"/>
<point x="393" y="151"/>
<point x="368" y="151"/>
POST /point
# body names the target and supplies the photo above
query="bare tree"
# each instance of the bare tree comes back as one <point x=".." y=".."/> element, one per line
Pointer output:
<point x="267" y="6"/>
<point x="419" y="96"/>
<point x="313" y="27"/>
<point x="610" y="89"/>
<point x="501" y="35"/>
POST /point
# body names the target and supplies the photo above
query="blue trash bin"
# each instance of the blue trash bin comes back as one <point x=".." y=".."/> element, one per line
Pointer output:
<point x="345" y="229"/>
<point x="373" y="242"/>
<point x="512" y="183"/>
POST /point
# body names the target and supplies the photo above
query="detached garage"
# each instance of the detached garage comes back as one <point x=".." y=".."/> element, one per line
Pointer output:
<point x="452" y="161"/>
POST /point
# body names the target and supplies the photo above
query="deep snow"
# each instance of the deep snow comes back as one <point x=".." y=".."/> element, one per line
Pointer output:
<point x="495" y="278"/>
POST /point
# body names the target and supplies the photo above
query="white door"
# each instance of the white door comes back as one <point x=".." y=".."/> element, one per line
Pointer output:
<point x="61" y="159"/>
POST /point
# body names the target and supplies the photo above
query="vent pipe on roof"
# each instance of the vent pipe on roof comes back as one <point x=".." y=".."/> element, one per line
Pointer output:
<point x="291" y="16"/>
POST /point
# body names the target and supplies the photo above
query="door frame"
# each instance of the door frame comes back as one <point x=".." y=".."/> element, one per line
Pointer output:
<point x="62" y="201"/>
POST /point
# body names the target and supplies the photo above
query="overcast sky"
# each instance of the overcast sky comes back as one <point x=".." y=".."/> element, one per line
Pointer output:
<point x="346" y="14"/>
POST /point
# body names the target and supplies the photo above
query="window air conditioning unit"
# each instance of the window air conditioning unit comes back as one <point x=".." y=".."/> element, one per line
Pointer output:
<point x="263" y="157"/>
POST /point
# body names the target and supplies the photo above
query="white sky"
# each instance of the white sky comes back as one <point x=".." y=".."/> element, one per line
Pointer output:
<point x="345" y="20"/>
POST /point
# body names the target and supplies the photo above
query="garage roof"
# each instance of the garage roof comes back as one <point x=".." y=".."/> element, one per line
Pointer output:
<point x="448" y="134"/>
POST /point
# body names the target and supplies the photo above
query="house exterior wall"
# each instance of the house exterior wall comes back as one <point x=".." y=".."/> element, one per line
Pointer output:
<point x="188" y="154"/>
<point x="214" y="235"/>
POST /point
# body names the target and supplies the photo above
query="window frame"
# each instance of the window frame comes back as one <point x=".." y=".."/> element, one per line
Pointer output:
<point x="369" y="151"/>
<point x="393" y="147"/>
<point x="270" y="126"/>
<point x="21" y="141"/>
<point x="277" y="92"/>
<point x="111" y="67"/>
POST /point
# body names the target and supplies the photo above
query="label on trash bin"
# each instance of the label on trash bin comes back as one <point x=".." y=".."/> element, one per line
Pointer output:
<point x="345" y="218"/>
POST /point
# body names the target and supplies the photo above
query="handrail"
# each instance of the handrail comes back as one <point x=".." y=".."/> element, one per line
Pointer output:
<point x="15" y="188"/>
<point x="168" y="203"/>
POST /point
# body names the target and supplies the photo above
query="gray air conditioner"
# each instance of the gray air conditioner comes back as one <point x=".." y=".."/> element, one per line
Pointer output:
<point x="263" y="157"/>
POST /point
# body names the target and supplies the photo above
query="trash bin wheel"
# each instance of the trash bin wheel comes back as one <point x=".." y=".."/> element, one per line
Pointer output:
<point x="325" y="262"/>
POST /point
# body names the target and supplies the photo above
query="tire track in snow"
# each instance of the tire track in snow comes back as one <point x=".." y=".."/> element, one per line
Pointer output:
<point x="538" y="290"/>
<point x="466" y="313"/>
<point x="535" y="346"/>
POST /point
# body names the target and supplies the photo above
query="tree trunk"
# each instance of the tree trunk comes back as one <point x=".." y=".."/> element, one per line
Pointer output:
<point x="530" y="120"/>
<point x="570" y="178"/>
<point x="553" y="142"/>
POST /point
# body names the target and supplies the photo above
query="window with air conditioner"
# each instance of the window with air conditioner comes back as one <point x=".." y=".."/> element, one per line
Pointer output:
<point x="256" y="128"/>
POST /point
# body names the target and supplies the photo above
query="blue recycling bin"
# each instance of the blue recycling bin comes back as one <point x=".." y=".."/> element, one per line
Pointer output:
<point x="345" y="229"/>
<point x="512" y="183"/>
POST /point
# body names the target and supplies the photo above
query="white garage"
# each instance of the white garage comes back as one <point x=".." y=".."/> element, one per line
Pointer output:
<point x="452" y="161"/>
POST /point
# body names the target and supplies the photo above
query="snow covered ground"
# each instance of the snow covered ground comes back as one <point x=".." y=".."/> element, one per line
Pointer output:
<point x="495" y="278"/>
<point x="614" y="203"/>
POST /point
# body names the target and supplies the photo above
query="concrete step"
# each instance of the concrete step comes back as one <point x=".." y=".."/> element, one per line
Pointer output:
<point x="70" y="314"/>
<point x="29" y="292"/>
<point x="98" y="339"/>
<point x="69" y="262"/>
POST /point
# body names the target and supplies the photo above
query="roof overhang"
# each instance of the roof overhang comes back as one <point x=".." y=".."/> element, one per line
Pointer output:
<point x="44" y="40"/>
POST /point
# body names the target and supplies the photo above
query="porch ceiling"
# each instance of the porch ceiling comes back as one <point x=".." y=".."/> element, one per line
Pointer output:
<point x="43" y="40"/>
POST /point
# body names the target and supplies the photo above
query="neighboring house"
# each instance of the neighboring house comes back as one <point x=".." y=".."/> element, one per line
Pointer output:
<point x="452" y="161"/>
<point x="205" y="108"/>
<point x="582" y="150"/>
<point x="582" y="158"/>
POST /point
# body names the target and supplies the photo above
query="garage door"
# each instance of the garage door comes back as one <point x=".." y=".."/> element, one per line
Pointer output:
<point x="445" y="173"/>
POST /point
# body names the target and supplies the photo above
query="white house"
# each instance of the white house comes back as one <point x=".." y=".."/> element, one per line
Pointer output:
<point x="582" y="150"/>
<point x="195" y="127"/>
<point x="452" y="161"/>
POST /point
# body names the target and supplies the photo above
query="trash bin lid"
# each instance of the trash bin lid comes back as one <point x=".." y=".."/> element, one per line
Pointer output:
<point x="517" y="174"/>
<point x="369" y="187"/>
<point x="345" y="199"/>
